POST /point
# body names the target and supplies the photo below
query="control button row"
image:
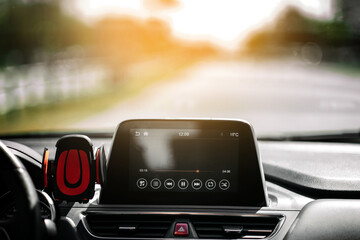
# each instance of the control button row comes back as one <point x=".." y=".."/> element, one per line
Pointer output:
<point x="183" y="184"/>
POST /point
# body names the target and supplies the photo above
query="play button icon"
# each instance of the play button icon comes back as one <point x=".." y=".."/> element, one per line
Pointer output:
<point x="181" y="229"/>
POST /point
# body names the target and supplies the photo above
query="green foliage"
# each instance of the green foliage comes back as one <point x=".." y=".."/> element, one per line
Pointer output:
<point x="293" y="27"/>
<point x="29" y="29"/>
<point x="35" y="26"/>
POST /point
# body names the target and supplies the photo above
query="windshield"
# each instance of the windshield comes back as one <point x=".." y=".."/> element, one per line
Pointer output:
<point x="284" y="66"/>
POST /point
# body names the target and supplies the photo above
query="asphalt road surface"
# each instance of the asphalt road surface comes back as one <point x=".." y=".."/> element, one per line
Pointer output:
<point x="276" y="97"/>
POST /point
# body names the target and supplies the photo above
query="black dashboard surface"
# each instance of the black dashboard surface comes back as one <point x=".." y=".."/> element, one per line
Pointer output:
<point x="339" y="219"/>
<point x="296" y="174"/>
<point x="314" y="169"/>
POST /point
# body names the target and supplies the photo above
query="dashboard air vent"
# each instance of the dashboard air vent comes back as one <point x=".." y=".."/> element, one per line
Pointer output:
<point x="129" y="226"/>
<point x="230" y="227"/>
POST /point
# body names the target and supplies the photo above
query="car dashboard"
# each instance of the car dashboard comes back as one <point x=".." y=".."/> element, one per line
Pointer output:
<point x="311" y="189"/>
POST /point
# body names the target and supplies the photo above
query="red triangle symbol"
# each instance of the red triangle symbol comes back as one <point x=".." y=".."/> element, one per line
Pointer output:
<point x="181" y="229"/>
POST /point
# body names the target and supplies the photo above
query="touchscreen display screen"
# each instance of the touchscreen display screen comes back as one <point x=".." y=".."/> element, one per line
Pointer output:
<point x="183" y="160"/>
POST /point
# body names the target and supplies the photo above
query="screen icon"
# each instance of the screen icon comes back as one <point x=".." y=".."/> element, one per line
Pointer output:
<point x="196" y="184"/>
<point x="169" y="183"/>
<point x="224" y="184"/>
<point x="141" y="183"/>
<point x="210" y="184"/>
<point x="234" y="134"/>
<point x="183" y="184"/>
<point x="137" y="134"/>
<point x="155" y="183"/>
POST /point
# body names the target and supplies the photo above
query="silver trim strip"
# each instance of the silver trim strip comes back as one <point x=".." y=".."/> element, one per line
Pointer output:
<point x="233" y="230"/>
<point x="130" y="228"/>
<point x="253" y="237"/>
<point x="259" y="230"/>
<point x="51" y="204"/>
<point x="281" y="218"/>
<point x="5" y="233"/>
<point x="260" y="165"/>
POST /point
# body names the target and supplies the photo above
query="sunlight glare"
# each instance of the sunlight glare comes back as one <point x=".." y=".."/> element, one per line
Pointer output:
<point x="224" y="23"/>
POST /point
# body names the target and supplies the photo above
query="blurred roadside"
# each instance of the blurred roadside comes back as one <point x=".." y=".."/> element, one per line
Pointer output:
<point x="56" y="69"/>
<point x="297" y="35"/>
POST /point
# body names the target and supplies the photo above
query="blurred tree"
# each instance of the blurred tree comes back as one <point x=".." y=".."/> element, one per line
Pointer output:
<point x="130" y="38"/>
<point x="125" y="40"/>
<point x="33" y="28"/>
<point x="293" y="28"/>
<point x="30" y="26"/>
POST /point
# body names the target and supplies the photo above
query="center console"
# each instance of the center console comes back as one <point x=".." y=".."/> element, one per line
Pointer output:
<point x="165" y="179"/>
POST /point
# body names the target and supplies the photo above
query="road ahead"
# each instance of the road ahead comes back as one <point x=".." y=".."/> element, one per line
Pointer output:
<point x="275" y="97"/>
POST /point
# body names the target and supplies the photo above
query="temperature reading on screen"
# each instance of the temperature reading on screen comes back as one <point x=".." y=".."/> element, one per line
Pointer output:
<point x="184" y="134"/>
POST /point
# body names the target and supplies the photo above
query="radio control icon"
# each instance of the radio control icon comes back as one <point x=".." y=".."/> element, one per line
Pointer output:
<point x="196" y="184"/>
<point x="183" y="184"/>
<point x="224" y="184"/>
<point x="210" y="184"/>
<point x="169" y="183"/>
<point x="141" y="183"/>
<point x="155" y="183"/>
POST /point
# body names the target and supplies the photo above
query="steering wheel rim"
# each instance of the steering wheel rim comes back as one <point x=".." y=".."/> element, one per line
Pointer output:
<point x="27" y="223"/>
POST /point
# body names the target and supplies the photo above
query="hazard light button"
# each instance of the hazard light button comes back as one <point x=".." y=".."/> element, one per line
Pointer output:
<point x="181" y="229"/>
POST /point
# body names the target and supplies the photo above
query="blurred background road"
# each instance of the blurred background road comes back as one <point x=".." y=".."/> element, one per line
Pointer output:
<point x="85" y="65"/>
<point x="269" y="95"/>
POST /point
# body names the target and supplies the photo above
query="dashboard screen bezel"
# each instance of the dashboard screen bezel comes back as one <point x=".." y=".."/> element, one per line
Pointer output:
<point x="252" y="181"/>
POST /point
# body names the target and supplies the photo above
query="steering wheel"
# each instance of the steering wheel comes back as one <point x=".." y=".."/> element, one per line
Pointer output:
<point x="27" y="223"/>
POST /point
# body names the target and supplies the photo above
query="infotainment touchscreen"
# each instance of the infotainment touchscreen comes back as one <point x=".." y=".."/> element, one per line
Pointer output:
<point x="184" y="162"/>
<point x="178" y="160"/>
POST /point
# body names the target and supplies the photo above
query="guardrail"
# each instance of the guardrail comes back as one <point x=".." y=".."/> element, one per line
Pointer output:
<point x="43" y="83"/>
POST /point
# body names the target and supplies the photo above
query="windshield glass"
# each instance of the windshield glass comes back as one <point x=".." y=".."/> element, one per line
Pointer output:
<point x="284" y="66"/>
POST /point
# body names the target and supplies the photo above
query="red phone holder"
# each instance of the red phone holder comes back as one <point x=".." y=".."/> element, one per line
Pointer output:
<point x="73" y="173"/>
<point x="101" y="165"/>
